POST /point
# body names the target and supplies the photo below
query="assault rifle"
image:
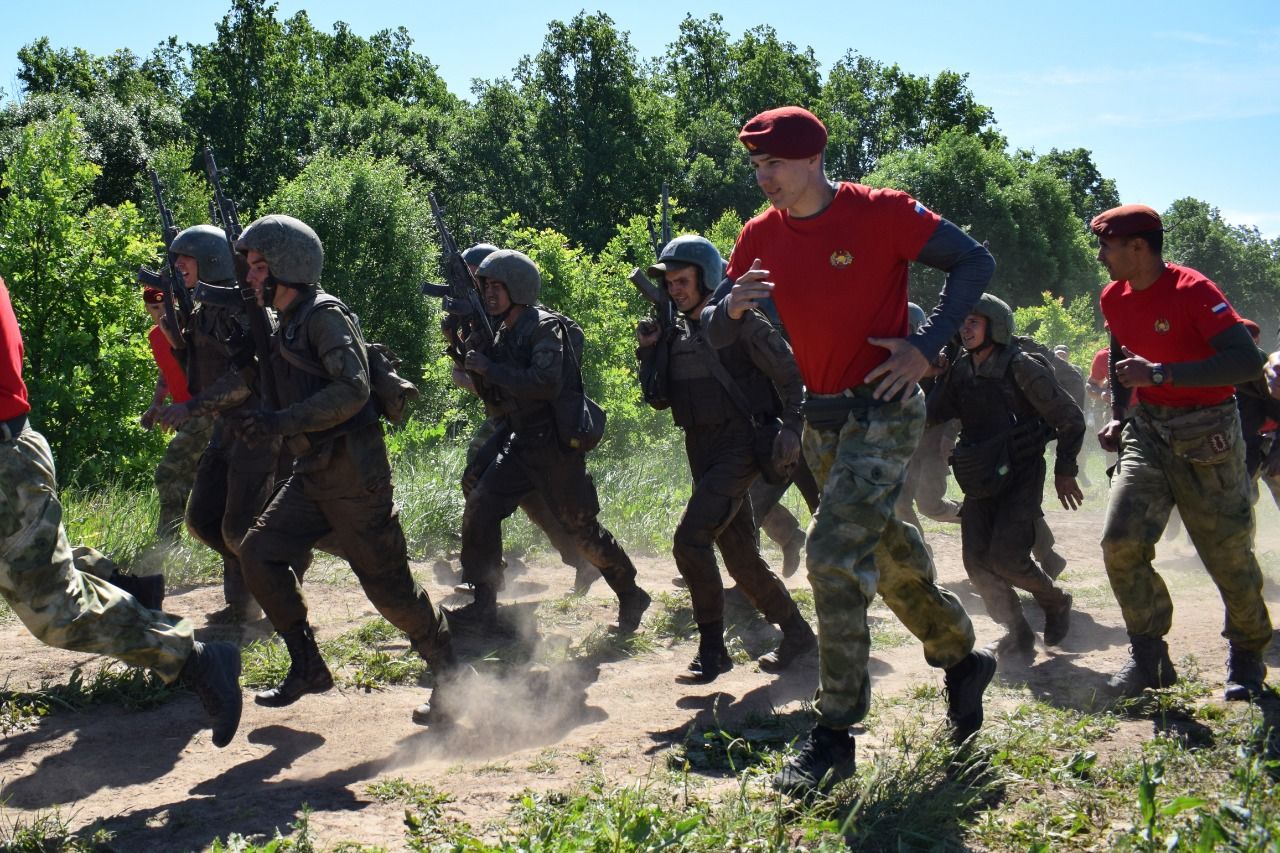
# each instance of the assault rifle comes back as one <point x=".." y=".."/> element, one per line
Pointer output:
<point x="470" y="329"/>
<point x="227" y="217"/>
<point x="168" y="281"/>
<point x="653" y="384"/>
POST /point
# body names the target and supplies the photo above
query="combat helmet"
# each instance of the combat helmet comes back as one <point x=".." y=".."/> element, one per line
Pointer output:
<point x="292" y="249"/>
<point x="209" y="246"/>
<point x="915" y="317"/>
<point x="517" y="271"/>
<point x="999" y="318"/>
<point x="695" y="250"/>
<point x="476" y="254"/>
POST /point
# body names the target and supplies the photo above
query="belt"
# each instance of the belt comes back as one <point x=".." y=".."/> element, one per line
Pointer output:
<point x="12" y="428"/>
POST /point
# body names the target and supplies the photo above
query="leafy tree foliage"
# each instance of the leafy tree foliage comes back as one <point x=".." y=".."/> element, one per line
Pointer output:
<point x="69" y="267"/>
<point x="1090" y="192"/>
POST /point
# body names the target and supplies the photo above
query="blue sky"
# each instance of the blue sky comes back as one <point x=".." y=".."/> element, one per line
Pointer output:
<point x="1174" y="99"/>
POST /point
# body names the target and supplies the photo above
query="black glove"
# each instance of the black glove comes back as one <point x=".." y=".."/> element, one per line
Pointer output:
<point x="257" y="428"/>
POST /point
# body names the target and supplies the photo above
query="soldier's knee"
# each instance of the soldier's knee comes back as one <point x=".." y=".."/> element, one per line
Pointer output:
<point x="1120" y="551"/>
<point x="693" y="535"/>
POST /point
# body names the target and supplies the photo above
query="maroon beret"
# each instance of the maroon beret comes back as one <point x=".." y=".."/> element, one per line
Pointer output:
<point x="1125" y="221"/>
<point x="792" y="133"/>
<point x="152" y="296"/>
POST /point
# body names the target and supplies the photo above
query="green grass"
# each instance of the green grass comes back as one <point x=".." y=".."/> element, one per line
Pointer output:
<point x="106" y="684"/>
<point x="358" y="658"/>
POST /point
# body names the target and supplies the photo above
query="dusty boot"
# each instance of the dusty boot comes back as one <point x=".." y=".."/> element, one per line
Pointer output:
<point x="148" y="589"/>
<point x="632" y="604"/>
<point x="241" y="607"/>
<point x="212" y="670"/>
<point x="451" y="676"/>
<point x="1053" y="564"/>
<point x="307" y="671"/>
<point x="482" y="613"/>
<point x="1057" y="619"/>
<point x="965" y="683"/>
<point x="584" y="575"/>
<point x="792" y="552"/>
<point x="1018" y="643"/>
<point x="797" y="641"/>
<point x="1149" y="667"/>
<point x="712" y="658"/>
<point x="1245" y="675"/>
<point x="825" y="758"/>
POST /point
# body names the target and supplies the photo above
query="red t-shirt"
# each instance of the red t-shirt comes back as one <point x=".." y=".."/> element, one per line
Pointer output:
<point x="1101" y="365"/>
<point x="174" y="378"/>
<point x="1173" y="320"/>
<point x="13" y="391"/>
<point x="840" y="277"/>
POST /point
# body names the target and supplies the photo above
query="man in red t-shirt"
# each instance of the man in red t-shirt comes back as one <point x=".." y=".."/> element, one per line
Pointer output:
<point x="65" y="607"/>
<point x="834" y="260"/>
<point x="177" y="469"/>
<point x="1178" y="342"/>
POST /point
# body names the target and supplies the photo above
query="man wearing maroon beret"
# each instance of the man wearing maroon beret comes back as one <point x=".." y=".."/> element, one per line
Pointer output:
<point x="1178" y="342"/>
<point x="834" y="259"/>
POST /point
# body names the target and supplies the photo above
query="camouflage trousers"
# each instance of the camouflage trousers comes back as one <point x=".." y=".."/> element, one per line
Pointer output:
<point x="57" y="602"/>
<point x="1211" y="495"/>
<point x="857" y="547"/>
<point x="177" y="472"/>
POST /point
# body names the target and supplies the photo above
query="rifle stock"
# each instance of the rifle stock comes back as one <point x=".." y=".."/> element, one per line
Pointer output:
<point x="168" y="281"/>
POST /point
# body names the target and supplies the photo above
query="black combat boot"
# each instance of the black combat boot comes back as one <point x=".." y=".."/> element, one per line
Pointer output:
<point x="446" y="704"/>
<point x="481" y="613"/>
<point x="212" y="670"/>
<point x="147" y="589"/>
<point x="307" y="671"/>
<point x="1057" y="619"/>
<point x="792" y="552"/>
<point x="632" y="603"/>
<point x="797" y="641"/>
<point x="1245" y="675"/>
<point x="1149" y="667"/>
<point x="965" y="683"/>
<point x="712" y="658"/>
<point x="825" y="758"/>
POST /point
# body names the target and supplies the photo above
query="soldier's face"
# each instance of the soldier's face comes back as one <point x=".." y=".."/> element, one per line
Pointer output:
<point x="1118" y="255"/>
<point x="973" y="331"/>
<point x="189" y="269"/>
<point x="257" y="273"/>
<point x="783" y="182"/>
<point x="496" y="298"/>
<point x="156" y="310"/>
<point x="682" y="286"/>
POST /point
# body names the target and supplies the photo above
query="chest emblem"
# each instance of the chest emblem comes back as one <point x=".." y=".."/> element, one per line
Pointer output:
<point x="1162" y="326"/>
<point x="841" y="258"/>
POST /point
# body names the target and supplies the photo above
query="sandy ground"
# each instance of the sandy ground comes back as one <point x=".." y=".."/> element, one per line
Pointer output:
<point x="154" y="779"/>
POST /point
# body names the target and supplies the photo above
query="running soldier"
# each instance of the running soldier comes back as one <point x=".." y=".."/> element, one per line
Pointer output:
<point x="719" y="398"/>
<point x="65" y="607"/>
<point x="1180" y="344"/>
<point x="533" y="377"/>
<point x="834" y="257"/>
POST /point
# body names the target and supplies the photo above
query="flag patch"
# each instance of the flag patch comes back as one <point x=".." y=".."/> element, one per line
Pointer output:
<point x="1220" y="307"/>
<point x="921" y="209"/>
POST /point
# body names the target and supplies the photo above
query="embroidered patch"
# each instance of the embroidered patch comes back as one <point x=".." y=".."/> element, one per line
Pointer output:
<point x="751" y="146"/>
<point x="1219" y="308"/>
<point x="841" y="258"/>
<point x="921" y="210"/>
<point x="1218" y="442"/>
<point x="1162" y="326"/>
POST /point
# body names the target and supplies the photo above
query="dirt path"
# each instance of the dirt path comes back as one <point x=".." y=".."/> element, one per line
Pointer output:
<point x="154" y="779"/>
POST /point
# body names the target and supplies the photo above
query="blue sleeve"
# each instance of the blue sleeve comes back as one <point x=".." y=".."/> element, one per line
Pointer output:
<point x="969" y="267"/>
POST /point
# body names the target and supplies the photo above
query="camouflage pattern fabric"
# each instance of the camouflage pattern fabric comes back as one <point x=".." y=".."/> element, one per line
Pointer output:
<point x="177" y="472"/>
<point x="59" y="604"/>
<point x="857" y="547"/>
<point x="1212" y="496"/>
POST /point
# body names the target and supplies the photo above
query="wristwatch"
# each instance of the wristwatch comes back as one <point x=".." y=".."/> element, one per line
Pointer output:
<point x="1157" y="374"/>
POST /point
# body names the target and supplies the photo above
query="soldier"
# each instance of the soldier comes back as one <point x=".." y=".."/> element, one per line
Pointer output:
<point x="531" y="376"/>
<point x="1259" y="413"/>
<point x="1178" y="342"/>
<point x="341" y="481"/>
<point x="834" y="257"/>
<point x="482" y="446"/>
<point x="72" y="609"/>
<point x="233" y="480"/>
<point x="177" y="469"/>
<point x="1009" y="404"/>
<point x="718" y="397"/>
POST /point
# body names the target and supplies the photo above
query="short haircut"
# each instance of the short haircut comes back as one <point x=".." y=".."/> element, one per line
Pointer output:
<point x="1154" y="239"/>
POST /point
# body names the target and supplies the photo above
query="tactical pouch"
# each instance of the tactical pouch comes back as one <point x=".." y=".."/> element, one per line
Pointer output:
<point x="579" y="421"/>
<point x="982" y="470"/>
<point x="392" y="392"/>
<point x="767" y="430"/>
<point x="1204" y="436"/>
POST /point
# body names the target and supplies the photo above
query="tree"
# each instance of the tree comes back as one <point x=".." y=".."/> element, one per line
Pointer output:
<point x="1090" y="192"/>
<point x="1023" y="210"/>
<point x="70" y="269"/>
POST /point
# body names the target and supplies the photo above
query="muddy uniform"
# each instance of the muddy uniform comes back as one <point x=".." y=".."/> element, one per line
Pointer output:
<point x="529" y="372"/>
<point x="233" y="480"/>
<point x="341" y="479"/>
<point x="720" y="442"/>
<point x="1010" y="402"/>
